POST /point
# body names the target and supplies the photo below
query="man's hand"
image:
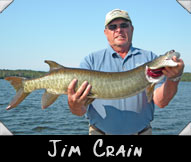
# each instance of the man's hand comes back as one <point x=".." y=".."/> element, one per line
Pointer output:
<point x="77" y="100"/>
<point x="173" y="72"/>
<point x="164" y="94"/>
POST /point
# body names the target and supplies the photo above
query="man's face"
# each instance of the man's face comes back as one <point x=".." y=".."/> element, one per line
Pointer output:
<point x="119" y="32"/>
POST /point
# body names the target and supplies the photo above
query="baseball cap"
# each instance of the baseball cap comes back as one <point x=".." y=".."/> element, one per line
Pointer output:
<point x="116" y="13"/>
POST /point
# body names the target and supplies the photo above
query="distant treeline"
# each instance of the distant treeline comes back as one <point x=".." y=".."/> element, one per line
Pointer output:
<point x="35" y="74"/>
<point x="186" y="77"/>
<point x="21" y="73"/>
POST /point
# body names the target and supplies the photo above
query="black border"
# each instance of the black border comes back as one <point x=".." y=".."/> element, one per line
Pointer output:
<point x="33" y="147"/>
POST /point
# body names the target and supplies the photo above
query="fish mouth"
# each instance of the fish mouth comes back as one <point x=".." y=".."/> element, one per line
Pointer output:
<point x="154" y="75"/>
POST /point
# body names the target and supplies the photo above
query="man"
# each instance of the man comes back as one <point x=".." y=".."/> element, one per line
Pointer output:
<point x="124" y="116"/>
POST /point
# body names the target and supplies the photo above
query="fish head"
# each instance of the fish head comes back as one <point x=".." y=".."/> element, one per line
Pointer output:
<point x="154" y="68"/>
<point x="164" y="60"/>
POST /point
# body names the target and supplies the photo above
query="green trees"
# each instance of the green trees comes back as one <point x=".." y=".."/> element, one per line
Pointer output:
<point x="186" y="77"/>
<point x="21" y="73"/>
<point x="35" y="74"/>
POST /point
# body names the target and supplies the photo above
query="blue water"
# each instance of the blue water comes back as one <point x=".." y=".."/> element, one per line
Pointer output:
<point x="29" y="118"/>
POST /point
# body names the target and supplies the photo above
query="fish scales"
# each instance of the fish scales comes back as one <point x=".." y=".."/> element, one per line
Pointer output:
<point x="104" y="85"/>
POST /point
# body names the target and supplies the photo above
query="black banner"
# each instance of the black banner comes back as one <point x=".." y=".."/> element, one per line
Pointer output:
<point x="112" y="148"/>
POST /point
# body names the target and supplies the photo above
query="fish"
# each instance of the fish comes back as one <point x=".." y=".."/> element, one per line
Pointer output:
<point x="105" y="85"/>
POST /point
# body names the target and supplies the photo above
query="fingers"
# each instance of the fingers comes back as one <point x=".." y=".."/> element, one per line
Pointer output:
<point x="86" y="92"/>
<point x="174" y="58"/>
<point x="77" y="100"/>
<point x="172" y="72"/>
<point x="181" y="64"/>
<point x="180" y="67"/>
<point x="168" y="72"/>
<point x="71" y="87"/>
<point x="81" y="89"/>
<point x="179" y="61"/>
<point x="81" y="93"/>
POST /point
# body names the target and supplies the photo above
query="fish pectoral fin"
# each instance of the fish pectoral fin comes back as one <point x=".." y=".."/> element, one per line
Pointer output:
<point x="53" y="65"/>
<point x="92" y="95"/>
<point x="89" y="101"/>
<point x="91" y="98"/>
<point x="48" y="99"/>
<point x="149" y="92"/>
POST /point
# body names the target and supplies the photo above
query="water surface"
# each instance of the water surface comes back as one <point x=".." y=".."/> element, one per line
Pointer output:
<point x="29" y="118"/>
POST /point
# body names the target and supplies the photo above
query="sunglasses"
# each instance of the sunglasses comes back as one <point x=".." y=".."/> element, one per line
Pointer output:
<point x="115" y="26"/>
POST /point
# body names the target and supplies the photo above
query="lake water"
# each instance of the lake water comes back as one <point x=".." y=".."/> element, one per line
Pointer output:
<point x="29" y="118"/>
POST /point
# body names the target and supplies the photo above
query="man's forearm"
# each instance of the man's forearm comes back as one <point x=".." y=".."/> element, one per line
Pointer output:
<point x="164" y="94"/>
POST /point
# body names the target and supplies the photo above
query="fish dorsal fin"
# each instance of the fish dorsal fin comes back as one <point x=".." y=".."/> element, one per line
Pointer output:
<point x="53" y="65"/>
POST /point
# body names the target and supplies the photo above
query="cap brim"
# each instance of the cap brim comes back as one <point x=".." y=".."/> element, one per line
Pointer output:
<point x="114" y="18"/>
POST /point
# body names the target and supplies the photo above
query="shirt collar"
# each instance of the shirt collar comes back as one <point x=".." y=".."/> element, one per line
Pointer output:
<point x="132" y="51"/>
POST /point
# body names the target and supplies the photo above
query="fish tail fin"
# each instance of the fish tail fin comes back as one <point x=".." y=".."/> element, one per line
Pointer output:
<point x="16" y="82"/>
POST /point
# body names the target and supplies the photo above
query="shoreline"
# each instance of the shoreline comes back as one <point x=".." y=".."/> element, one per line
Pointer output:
<point x="186" y="77"/>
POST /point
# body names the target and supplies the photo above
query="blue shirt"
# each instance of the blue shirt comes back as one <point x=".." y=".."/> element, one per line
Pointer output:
<point x="122" y="116"/>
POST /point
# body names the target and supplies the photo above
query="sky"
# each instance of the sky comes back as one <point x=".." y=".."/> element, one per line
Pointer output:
<point x="65" y="31"/>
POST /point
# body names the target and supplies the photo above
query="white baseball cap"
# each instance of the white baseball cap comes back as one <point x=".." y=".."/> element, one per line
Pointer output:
<point x="116" y="13"/>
